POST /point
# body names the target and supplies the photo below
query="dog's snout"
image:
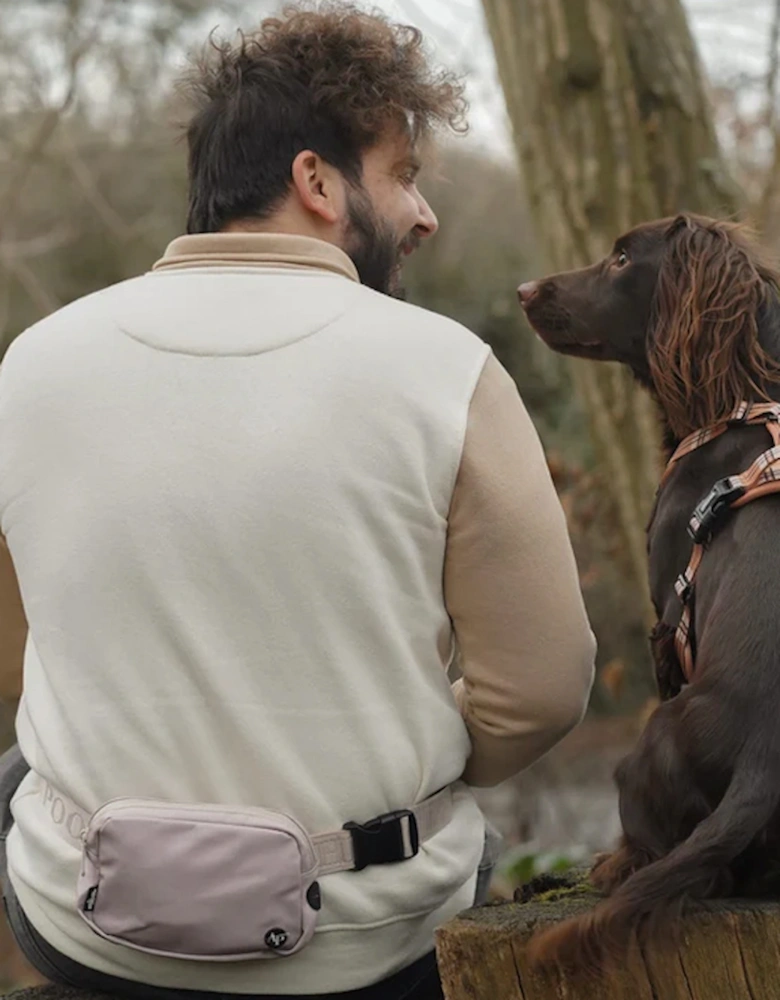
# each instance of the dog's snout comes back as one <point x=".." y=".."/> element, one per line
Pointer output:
<point x="528" y="291"/>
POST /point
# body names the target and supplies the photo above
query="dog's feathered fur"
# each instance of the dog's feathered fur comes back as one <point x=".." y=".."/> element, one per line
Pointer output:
<point x="693" y="309"/>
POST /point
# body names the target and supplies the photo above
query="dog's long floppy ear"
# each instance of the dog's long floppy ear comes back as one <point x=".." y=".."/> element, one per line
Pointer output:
<point x="703" y="346"/>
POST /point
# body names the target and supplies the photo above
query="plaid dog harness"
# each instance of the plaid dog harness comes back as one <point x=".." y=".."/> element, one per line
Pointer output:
<point x="762" y="478"/>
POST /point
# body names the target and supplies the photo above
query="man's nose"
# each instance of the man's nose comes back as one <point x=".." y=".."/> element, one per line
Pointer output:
<point x="427" y="224"/>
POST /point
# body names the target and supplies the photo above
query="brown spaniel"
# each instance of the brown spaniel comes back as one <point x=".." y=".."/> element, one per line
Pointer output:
<point x="693" y="310"/>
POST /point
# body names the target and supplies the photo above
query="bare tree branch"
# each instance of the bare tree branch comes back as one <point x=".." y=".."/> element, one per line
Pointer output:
<point x="111" y="219"/>
<point x="35" y="246"/>
<point x="11" y="196"/>
<point x="27" y="278"/>
<point x="43" y="134"/>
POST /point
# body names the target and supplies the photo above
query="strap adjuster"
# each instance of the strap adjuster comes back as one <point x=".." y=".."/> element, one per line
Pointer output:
<point x="388" y="838"/>
<point x="683" y="588"/>
<point x="709" y="515"/>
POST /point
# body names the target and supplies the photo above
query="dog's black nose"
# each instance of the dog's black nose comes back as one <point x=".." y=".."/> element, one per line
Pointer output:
<point x="527" y="292"/>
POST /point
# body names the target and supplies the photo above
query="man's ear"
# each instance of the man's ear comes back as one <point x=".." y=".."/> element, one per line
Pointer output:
<point x="320" y="186"/>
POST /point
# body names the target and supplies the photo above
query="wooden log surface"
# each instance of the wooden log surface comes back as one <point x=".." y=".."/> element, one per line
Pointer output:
<point x="727" y="950"/>
<point x="52" y="992"/>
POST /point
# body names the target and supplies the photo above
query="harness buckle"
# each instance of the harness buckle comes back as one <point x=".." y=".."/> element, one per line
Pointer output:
<point x="386" y="839"/>
<point x="709" y="515"/>
<point x="684" y="589"/>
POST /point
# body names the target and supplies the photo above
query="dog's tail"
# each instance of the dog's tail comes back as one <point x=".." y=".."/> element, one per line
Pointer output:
<point x="695" y="869"/>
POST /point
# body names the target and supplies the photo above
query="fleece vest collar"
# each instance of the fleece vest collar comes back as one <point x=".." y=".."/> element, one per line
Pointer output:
<point x="265" y="250"/>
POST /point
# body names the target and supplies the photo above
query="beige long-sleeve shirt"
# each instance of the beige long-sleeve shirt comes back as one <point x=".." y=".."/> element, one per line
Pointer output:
<point x="512" y="591"/>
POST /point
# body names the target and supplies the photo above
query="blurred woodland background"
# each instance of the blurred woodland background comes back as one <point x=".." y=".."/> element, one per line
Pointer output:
<point x="589" y="116"/>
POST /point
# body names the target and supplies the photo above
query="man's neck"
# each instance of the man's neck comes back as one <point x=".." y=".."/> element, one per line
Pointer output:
<point x="285" y="223"/>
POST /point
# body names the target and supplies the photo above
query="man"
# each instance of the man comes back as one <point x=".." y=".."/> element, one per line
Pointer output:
<point x="255" y="505"/>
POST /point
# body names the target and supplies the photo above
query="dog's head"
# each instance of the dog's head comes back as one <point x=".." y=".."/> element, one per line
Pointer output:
<point x="687" y="303"/>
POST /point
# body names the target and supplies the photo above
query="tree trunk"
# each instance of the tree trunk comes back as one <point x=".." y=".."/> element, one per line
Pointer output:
<point x="730" y="950"/>
<point x="612" y="127"/>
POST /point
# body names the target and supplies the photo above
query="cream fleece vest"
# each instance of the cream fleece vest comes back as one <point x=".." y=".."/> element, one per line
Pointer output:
<point x="225" y="488"/>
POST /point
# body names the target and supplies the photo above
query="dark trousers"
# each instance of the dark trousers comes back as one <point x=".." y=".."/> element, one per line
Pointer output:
<point x="419" y="981"/>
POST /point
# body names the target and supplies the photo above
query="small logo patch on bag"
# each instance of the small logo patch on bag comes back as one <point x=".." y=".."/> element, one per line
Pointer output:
<point x="276" y="939"/>
<point x="91" y="899"/>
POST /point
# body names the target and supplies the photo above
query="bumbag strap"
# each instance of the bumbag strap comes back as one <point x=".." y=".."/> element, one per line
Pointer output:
<point x="392" y="837"/>
<point x="388" y="838"/>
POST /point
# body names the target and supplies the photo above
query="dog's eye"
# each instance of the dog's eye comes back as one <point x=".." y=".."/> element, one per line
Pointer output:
<point x="622" y="259"/>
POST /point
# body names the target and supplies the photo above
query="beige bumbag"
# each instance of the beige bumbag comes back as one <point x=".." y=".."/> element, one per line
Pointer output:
<point x="215" y="883"/>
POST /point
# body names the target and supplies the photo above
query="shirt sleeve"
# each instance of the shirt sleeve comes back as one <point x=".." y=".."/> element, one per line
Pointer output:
<point x="512" y="591"/>
<point x="13" y="628"/>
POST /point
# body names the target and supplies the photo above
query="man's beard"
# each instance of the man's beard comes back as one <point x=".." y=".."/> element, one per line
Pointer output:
<point x="373" y="245"/>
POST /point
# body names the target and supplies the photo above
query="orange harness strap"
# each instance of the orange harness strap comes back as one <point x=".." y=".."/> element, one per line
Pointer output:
<point x="761" y="479"/>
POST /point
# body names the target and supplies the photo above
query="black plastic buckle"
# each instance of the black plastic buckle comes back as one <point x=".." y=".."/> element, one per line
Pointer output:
<point x="385" y="840"/>
<point x="709" y="515"/>
<point x="683" y="588"/>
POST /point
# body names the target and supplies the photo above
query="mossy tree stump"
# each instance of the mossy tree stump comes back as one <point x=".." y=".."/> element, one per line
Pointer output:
<point x="727" y="950"/>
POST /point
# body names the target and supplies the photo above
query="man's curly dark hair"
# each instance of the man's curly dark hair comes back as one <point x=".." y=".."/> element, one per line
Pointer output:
<point x="332" y="78"/>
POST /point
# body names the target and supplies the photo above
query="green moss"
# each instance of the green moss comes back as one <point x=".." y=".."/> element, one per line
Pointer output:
<point x="546" y="899"/>
<point x="553" y="886"/>
<point x="575" y="892"/>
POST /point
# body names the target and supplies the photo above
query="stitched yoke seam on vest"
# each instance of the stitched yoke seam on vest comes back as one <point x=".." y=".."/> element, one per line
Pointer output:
<point x="231" y="354"/>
